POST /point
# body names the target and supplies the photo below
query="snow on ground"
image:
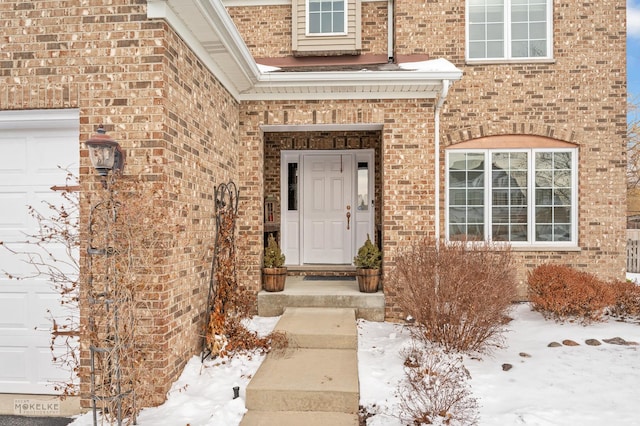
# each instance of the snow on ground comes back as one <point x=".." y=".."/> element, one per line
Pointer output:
<point x="568" y="385"/>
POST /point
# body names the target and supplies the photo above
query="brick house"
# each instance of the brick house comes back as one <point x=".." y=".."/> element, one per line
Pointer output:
<point x="400" y="112"/>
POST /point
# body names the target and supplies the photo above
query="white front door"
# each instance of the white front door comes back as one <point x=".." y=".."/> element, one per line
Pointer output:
<point x="327" y="208"/>
<point x="34" y="144"/>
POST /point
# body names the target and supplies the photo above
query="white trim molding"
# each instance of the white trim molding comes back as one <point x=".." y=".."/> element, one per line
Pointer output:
<point x="210" y="32"/>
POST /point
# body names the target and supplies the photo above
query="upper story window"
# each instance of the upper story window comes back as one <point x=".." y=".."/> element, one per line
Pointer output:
<point x="326" y="16"/>
<point x="509" y="29"/>
<point x="527" y="197"/>
<point x="326" y="27"/>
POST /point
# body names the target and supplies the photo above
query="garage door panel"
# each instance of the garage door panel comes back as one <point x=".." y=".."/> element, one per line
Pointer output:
<point x="13" y="364"/>
<point x="14" y="310"/>
<point x="38" y="147"/>
<point x="14" y="222"/>
<point x="55" y="148"/>
<point x="13" y="162"/>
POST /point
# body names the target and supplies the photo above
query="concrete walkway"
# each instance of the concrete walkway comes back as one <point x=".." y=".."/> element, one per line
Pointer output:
<point x="315" y="381"/>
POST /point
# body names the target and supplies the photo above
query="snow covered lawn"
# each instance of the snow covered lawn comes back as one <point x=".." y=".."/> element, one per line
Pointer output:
<point x="565" y="385"/>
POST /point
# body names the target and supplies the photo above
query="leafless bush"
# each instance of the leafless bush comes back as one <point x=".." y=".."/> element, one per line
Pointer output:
<point x="128" y="241"/>
<point x="561" y="292"/>
<point x="627" y="299"/>
<point x="435" y="388"/>
<point x="457" y="293"/>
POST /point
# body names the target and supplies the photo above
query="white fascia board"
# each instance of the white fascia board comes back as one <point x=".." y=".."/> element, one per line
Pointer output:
<point x="38" y="118"/>
<point x="219" y="23"/>
<point x="349" y="85"/>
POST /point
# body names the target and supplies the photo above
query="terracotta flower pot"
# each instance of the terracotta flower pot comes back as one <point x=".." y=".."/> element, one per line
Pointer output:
<point x="273" y="278"/>
<point x="368" y="279"/>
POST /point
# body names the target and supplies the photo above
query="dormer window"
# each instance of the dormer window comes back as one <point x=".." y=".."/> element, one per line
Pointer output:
<point x="326" y="17"/>
<point x="326" y="27"/>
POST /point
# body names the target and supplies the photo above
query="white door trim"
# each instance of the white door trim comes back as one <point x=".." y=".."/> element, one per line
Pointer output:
<point x="291" y="226"/>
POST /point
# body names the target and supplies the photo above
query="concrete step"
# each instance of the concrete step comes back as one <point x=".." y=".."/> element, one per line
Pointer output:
<point x="298" y="418"/>
<point x="306" y="380"/>
<point x="322" y="294"/>
<point x="320" y="328"/>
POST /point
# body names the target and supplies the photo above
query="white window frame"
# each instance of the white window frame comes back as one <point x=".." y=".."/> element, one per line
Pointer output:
<point x="531" y="205"/>
<point x="508" y="38"/>
<point x="345" y="23"/>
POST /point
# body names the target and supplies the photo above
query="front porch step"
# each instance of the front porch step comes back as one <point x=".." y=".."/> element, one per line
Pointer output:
<point x="323" y="380"/>
<point x="297" y="418"/>
<point x="299" y="293"/>
<point x="319" y="328"/>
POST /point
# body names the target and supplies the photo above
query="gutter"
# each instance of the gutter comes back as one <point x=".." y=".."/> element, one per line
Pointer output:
<point x="443" y="95"/>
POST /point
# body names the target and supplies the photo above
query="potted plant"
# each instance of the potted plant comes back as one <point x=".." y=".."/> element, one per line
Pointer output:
<point x="368" y="263"/>
<point x="273" y="272"/>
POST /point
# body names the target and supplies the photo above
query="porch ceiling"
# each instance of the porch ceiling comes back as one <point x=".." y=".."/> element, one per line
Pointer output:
<point x="209" y="31"/>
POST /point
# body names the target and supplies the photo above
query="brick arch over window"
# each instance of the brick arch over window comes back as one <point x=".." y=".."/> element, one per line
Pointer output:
<point x="512" y="142"/>
<point x="502" y="129"/>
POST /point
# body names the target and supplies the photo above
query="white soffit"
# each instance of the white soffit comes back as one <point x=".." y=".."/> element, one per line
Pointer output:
<point x="209" y="31"/>
<point x="274" y="128"/>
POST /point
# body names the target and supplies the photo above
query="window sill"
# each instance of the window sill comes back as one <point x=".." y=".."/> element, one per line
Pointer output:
<point x="510" y="61"/>
<point x="545" y="248"/>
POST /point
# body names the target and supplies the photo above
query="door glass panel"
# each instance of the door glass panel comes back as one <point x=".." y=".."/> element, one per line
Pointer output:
<point x="363" y="186"/>
<point x="292" y="186"/>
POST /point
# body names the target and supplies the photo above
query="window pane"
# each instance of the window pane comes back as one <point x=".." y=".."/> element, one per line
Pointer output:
<point x="477" y="32"/>
<point x="466" y="195"/>
<point x="476" y="15"/>
<point x="495" y="49"/>
<point x="509" y="189"/>
<point x="520" y="49"/>
<point x="538" y="12"/>
<point x="292" y="186"/>
<point x="325" y="22"/>
<point x="363" y="186"/>
<point x="495" y="13"/>
<point x="477" y="50"/>
<point x="314" y="6"/>
<point x="338" y="22"/>
<point x="519" y="32"/>
<point x="495" y="32"/>
<point x="538" y="31"/>
<point x="458" y="197"/>
<point x="553" y="187"/>
<point x="458" y="179"/>
<point x="314" y="23"/>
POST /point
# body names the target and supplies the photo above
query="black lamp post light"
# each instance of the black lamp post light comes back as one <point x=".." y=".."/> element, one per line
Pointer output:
<point x="105" y="153"/>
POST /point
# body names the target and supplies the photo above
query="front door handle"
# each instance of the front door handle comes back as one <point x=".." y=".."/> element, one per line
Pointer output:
<point x="348" y="216"/>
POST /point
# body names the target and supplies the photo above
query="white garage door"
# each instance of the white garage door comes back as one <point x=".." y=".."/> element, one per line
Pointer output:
<point x="33" y="144"/>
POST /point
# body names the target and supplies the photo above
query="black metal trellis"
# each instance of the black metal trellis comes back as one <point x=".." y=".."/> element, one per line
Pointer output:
<point x="226" y="212"/>
<point x="106" y="319"/>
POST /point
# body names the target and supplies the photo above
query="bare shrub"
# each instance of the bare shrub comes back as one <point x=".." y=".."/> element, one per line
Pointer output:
<point x="457" y="293"/>
<point x="562" y="293"/>
<point x="435" y="388"/>
<point x="627" y="299"/>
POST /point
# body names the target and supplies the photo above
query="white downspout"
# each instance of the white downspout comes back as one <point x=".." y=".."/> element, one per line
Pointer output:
<point x="439" y="103"/>
<point x="390" y="29"/>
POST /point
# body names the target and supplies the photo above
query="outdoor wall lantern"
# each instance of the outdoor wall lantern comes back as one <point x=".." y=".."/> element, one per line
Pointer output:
<point x="105" y="153"/>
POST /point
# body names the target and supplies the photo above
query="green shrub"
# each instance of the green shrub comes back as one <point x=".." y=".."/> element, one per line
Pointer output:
<point x="273" y="257"/>
<point x="369" y="256"/>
